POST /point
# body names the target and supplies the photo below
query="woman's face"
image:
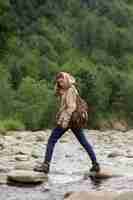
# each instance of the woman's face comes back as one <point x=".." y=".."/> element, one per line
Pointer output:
<point x="61" y="82"/>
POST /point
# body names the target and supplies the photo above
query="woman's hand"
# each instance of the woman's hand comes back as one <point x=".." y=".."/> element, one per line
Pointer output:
<point x="64" y="124"/>
<point x="63" y="120"/>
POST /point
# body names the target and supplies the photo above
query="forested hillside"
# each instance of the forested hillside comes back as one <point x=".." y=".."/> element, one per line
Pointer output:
<point x="92" y="39"/>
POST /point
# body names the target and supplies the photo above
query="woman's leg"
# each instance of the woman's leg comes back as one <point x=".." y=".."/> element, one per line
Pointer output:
<point x="83" y="141"/>
<point x="56" y="134"/>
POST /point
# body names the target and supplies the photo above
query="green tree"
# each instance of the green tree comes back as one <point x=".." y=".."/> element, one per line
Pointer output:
<point x="6" y="94"/>
<point x="33" y="102"/>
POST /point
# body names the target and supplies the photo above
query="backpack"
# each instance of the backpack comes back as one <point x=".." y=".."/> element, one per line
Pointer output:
<point x="79" y="117"/>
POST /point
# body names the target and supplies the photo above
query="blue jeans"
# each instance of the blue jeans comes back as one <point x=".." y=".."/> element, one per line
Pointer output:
<point x="58" y="132"/>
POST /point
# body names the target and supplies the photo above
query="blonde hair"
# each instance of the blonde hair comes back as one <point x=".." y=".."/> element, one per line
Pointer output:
<point x="67" y="77"/>
<point x="69" y="81"/>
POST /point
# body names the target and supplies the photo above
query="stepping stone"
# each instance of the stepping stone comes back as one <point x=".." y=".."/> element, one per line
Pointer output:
<point x="104" y="174"/>
<point x="24" y="165"/>
<point x="83" y="195"/>
<point x="21" y="158"/>
<point x="26" y="176"/>
<point x="125" y="196"/>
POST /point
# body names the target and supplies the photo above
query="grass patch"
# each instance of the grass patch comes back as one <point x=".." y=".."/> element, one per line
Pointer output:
<point x="11" y="125"/>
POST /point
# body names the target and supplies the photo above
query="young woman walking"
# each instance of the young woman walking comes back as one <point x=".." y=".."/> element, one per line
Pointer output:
<point x="66" y="90"/>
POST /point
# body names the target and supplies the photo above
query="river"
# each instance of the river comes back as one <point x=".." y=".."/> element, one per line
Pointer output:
<point x="70" y="165"/>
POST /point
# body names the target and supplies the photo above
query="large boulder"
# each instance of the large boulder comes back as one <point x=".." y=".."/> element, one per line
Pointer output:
<point x="26" y="176"/>
<point x="103" y="125"/>
<point x="119" y="125"/>
<point x="91" y="196"/>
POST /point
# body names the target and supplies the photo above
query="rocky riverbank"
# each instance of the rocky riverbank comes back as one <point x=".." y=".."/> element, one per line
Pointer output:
<point x="21" y="151"/>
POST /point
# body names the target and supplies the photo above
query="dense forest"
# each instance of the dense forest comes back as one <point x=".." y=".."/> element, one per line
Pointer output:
<point x="92" y="39"/>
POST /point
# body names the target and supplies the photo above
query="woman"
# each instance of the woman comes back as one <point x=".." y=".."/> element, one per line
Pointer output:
<point x="66" y="90"/>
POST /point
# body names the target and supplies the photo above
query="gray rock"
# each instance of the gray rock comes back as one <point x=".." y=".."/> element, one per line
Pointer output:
<point x="24" y="176"/>
<point x="21" y="157"/>
<point x="91" y="196"/>
<point x="23" y="151"/>
<point x="5" y="164"/>
<point x="125" y="196"/>
<point x="104" y="174"/>
<point x="115" y="154"/>
<point x="36" y="153"/>
<point x="4" y="168"/>
<point x="3" y="178"/>
<point x="25" y="165"/>
<point x="129" y="156"/>
<point x="40" y="137"/>
<point x="2" y="144"/>
<point x="120" y="126"/>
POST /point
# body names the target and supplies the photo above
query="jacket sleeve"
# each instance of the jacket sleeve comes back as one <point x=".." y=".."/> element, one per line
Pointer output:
<point x="66" y="114"/>
<point x="71" y="101"/>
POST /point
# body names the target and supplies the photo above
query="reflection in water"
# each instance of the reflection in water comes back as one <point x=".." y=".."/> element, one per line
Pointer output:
<point x="96" y="182"/>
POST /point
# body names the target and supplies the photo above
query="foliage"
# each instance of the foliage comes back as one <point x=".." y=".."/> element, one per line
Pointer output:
<point x="11" y="124"/>
<point x="92" y="39"/>
<point x="33" y="102"/>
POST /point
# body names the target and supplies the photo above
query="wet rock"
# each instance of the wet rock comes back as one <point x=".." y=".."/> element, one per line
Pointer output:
<point x="36" y="152"/>
<point x="19" y="137"/>
<point x="23" y="176"/>
<point x="23" y="151"/>
<point x="104" y="174"/>
<point x="4" y="168"/>
<point x="129" y="155"/>
<point x="21" y="157"/>
<point x="119" y="125"/>
<point x="25" y="165"/>
<point x="9" y="139"/>
<point x="104" y="125"/>
<point x="30" y="139"/>
<point x="5" y="164"/>
<point x="20" y="150"/>
<point x="125" y="196"/>
<point x="21" y="134"/>
<point x="91" y="196"/>
<point x="1" y="146"/>
<point x="3" y="178"/>
<point x="114" y="154"/>
<point x="35" y="155"/>
<point x="40" y="137"/>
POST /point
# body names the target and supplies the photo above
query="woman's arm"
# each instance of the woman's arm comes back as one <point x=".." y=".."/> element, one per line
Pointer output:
<point x="66" y="114"/>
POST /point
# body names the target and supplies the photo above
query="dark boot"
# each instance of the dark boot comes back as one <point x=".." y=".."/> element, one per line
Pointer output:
<point x="44" y="167"/>
<point x="95" y="168"/>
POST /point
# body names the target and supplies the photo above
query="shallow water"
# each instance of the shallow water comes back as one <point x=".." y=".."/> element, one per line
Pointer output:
<point x="71" y="163"/>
